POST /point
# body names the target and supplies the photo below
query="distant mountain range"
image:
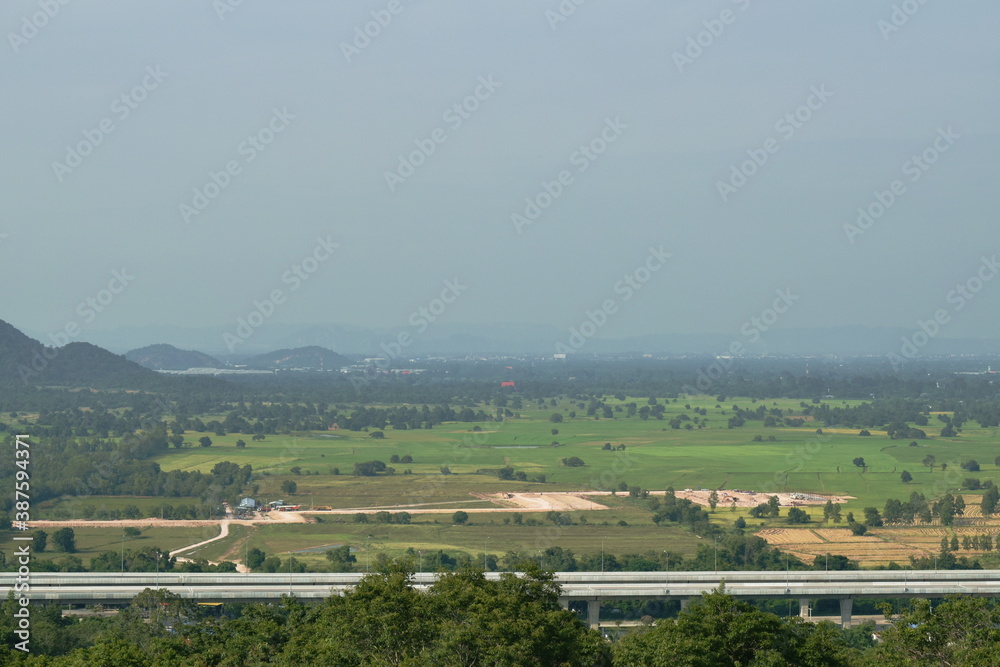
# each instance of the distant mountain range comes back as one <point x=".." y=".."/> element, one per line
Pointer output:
<point x="495" y="339"/>
<point x="163" y="357"/>
<point x="312" y="357"/>
<point x="25" y="360"/>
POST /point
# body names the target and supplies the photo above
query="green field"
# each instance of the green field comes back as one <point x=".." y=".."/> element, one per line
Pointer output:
<point x="92" y="541"/>
<point x="427" y="535"/>
<point x="75" y="507"/>
<point x="656" y="457"/>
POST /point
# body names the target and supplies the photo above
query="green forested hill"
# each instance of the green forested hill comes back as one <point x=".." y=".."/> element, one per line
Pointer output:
<point x="168" y="357"/>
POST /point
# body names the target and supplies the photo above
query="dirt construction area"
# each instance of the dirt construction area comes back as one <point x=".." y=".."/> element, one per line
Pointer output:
<point x="493" y="502"/>
<point x="743" y="498"/>
<point x="500" y="502"/>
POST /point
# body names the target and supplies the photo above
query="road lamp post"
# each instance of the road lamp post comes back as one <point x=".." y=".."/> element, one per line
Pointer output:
<point x="602" y="553"/>
<point x="485" y="540"/>
<point x="123" y="553"/>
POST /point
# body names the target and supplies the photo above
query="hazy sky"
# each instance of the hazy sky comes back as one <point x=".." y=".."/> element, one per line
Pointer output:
<point x="116" y="112"/>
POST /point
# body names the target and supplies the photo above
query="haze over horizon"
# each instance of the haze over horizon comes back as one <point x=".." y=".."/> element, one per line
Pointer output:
<point x="236" y="163"/>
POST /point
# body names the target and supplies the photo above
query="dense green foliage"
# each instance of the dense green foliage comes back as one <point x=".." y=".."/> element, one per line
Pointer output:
<point x="466" y="620"/>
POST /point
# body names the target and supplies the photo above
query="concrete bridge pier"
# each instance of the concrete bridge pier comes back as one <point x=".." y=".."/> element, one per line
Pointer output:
<point x="564" y="603"/>
<point x="804" y="608"/>
<point x="684" y="603"/>
<point x="846" y="606"/>
<point x="594" y="613"/>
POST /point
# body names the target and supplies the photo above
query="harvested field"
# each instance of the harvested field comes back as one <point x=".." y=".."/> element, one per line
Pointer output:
<point x="880" y="545"/>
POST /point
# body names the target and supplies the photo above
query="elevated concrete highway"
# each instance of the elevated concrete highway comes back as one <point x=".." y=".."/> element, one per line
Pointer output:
<point x="589" y="587"/>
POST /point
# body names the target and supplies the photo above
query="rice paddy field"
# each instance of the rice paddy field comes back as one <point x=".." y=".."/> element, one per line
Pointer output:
<point x="656" y="456"/>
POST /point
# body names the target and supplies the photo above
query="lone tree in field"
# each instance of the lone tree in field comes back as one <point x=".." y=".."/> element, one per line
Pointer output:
<point x="341" y="559"/>
<point x="65" y="539"/>
<point x="573" y="462"/>
<point x="860" y="462"/>
<point x="713" y="499"/>
<point x="906" y="477"/>
<point x="929" y="461"/>
<point x="990" y="499"/>
<point x="460" y="518"/>
<point x="205" y="441"/>
<point x="796" y="515"/>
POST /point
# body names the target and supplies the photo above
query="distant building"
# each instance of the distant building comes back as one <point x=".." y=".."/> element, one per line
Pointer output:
<point x="507" y="384"/>
<point x="248" y="504"/>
